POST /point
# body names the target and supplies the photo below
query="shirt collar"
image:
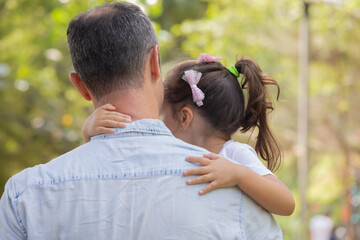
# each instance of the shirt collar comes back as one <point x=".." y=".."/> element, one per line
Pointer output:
<point x="139" y="127"/>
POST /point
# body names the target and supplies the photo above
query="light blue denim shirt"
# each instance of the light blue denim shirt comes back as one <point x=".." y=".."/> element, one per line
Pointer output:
<point x="128" y="185"/>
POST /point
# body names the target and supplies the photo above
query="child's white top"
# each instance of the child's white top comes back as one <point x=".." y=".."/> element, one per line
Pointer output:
<point x="245" y="155"/>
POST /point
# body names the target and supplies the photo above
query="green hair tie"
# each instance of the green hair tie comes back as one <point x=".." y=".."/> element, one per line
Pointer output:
<point x="234" y="71"/>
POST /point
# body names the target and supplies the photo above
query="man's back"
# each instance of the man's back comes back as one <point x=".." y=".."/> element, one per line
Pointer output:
<point x="126" y="186"/>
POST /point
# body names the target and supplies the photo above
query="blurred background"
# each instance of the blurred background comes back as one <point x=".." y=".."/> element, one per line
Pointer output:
<point x="41" y="113"/>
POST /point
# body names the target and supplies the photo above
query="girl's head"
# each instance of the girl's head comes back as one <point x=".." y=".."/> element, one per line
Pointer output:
<point x="228" y="105"/>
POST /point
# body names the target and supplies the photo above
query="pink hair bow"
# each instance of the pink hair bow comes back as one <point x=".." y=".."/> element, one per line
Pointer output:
<point x="206" y="57"/>
<point x="192" y="77"/>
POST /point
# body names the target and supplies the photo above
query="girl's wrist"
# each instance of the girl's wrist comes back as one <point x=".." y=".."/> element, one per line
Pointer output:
<point x="243" y="175"/>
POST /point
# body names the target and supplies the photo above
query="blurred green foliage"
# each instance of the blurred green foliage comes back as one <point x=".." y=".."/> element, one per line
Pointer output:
<point x="41" y="113"/>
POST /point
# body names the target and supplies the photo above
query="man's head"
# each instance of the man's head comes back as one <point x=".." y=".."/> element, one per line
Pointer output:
<point x="109" y="46"/>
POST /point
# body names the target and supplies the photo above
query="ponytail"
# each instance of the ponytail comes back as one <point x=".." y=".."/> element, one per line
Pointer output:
<point x="224" y="107"/>
<point x="257" y="109"/>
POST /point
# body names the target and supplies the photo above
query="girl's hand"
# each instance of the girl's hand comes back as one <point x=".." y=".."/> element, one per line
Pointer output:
<point x="217" y="170"/>
<point x="103" y="120"/>
<point x="268" y="191"/>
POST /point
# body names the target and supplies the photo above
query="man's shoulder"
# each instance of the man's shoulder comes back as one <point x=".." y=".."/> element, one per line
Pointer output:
<point x="41" y="174"/>
<point x="93" y="158"/>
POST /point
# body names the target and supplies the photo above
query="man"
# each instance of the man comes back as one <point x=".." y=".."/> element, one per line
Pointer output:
<point x="128" y="185"/>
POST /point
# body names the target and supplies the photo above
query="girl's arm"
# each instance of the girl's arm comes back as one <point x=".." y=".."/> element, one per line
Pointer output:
<point x="268" y="191"/>
<point x="103" y="120"/>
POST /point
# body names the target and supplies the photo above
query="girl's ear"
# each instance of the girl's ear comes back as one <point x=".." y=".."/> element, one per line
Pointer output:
<point x="186" y="116"/>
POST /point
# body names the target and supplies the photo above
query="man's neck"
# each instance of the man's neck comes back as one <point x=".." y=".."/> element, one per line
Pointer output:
<point x="134" y="102"/>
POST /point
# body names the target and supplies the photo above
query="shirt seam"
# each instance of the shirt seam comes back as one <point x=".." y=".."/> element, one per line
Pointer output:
<point x="134" y="133"/>
<point x="18" y="218"/>
<point x="242" y="233"/>
<point x="147" y="174"/>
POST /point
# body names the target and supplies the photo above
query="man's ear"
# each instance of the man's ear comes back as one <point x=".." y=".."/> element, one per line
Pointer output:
<point x="155" y="62"/>
<point x="186" y="116"/>
<point x="80" y="86"/>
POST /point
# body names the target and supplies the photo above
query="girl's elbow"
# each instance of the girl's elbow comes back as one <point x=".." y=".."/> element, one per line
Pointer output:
<point x="291" y="207"/>
<point x="287" y="209"/>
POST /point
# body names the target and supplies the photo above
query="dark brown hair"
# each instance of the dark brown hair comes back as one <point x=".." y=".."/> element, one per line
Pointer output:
<point x="226" y="108"/>
<point x="109" y="45"/>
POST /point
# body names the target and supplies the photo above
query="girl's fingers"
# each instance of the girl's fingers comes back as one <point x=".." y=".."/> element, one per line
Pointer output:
<point x="112" y="124"/>
<point x="118" y="118"/>
<point x="195" y="171"/>
<point x="105" y="130"/>
<point x="210" y="187"/>
<point x="108" y="107"/>
<point x="211" y="156"/>
<point x="201" y="160"/>
<point x="201" y="179"/>
<point x="108" y="113"/>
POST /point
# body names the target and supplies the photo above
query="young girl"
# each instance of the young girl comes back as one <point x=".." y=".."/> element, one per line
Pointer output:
<point x="205" y="104"/>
